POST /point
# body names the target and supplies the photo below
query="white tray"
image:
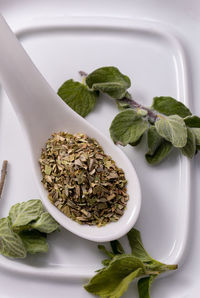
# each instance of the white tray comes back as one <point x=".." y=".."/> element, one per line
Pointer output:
<point x="153" y="57"/>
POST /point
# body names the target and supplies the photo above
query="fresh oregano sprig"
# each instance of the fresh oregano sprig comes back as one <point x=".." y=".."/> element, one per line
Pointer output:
<point x="120" y="269"/>
<point x="25" y="229"/>
<point x="167" y="124"/>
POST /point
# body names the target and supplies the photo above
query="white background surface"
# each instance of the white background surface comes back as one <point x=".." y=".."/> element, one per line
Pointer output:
<point x="182" y="16"/>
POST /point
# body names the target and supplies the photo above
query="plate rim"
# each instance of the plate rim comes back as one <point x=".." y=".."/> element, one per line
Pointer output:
<point x="178" y="251"/>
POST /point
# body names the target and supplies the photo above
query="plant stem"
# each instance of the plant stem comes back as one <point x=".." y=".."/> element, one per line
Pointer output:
<point x="3" y="175"/>
<point x="172" y="267"/>
<point x="134" y="105"/>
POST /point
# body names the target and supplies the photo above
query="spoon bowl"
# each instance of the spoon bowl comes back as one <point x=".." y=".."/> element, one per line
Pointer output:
<point x="42" y="112"/>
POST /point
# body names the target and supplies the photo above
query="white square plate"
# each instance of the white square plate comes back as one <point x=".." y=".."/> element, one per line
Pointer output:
<point x="153" y="57"/>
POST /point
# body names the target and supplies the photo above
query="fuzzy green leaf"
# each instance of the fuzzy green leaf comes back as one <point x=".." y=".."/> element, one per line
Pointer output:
<point x="116" y="247"/>
<point x="125" y="102"/>
<point x="124" y="284"/>
<point x="142" y="112"/>
<point x="137" y="247"/>
<point x="192" y="121"/>
<point x="158" y="147"/>
<point x="170" y="106"/>
<point x="21" y="214"/>
<point x="122" y="105"/>
<point x="190" y="148"/>
<point x="196" y="132"/>
<point x="154" y="140"/>
<point x="78" y="97"/>
<point x="105" y="262"/>
<point x="45" y="224"/>
<point x="141" y="254"/>
<point x="133" y="144"/>
<point x="34" y="241"/>
<point x="11" y="244"/>
<point x="160" y="154"/>
<point x="114" y="280"/>
<point x="144" y="285"/>
<point x="109" y="80"/>
<point x="173" y="129"/>
<point x="127" y="127"/>
<point x="107" y="252"/>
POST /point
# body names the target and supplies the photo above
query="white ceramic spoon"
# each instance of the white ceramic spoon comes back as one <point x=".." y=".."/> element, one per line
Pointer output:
<point x="41" y="112"/>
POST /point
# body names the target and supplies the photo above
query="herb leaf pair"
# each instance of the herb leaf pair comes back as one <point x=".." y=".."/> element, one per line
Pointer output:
<point x="109" y="80"/>
<point x="167" y="124"/>
<point x="121" y="269"/>
<point x="24" y="230"/>
<point x="188" y="133"/>
<point x="82" y="97"/>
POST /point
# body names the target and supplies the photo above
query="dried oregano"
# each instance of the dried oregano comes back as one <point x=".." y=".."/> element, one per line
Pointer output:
<point x="82" y="181"/>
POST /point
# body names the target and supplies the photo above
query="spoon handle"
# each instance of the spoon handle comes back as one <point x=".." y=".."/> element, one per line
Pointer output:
<point x="33" y="100"/>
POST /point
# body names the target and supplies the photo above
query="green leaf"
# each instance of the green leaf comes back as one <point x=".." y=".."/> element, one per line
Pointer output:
<point x="107" y="252"/>
<point x="21" y="214"/>
<point x="78" y="97"/>
<point x="141" y="254"/>
<point x="124" y="103"/>
<point x="144" y="285"/>
<point x="114" y="280"/>
<point x="192" y="121"/>
<point x="45" y="224"/>
<point x="196" y="132"/>
<point x="105" y="262"/>
<point x="137" y="247"/>
<point x="127" y="127"/>
<point x="11" y="244"/>
<point x="117" y="247"/>
<point x="173" y="129"/>
<point x="34" y="241"/>
<point x="124" y="284"/>
<point x="160" y="154"/>
<point x="190" y="147"/>
<point x="158" y="147"/>
<point x="133" y="144"/>
<point x="170" y="106"/>
<point x="142" y="112"/>
<point x="154" y="140"/>
<point x="109" y="80"/>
